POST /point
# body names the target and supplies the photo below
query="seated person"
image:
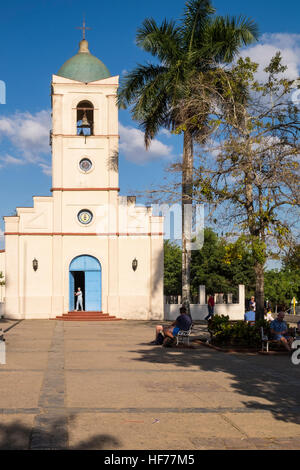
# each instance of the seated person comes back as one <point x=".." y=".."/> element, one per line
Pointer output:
<point x="279" y="330"/>
<point x="183" y="322"/>
<point x="250" y="315"/>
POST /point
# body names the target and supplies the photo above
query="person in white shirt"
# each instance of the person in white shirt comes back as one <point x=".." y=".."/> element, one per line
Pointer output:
<point x="252" y="303"/>
<point x="79" y="302"/>
<point x="268" y="314"/>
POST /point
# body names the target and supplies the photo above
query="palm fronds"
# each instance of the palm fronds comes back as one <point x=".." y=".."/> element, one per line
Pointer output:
<point x="163" y="42"/>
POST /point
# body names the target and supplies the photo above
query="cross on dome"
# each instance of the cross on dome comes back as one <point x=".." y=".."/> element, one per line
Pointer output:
<point x="84" y="28"/>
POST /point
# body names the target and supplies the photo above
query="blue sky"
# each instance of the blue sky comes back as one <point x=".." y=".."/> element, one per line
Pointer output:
<point x="37" y="37"/>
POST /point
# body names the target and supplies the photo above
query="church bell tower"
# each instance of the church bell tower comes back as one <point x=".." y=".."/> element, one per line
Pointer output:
<point x="84" y="137"/>
<point x="85" y="235"/>
<point x="85" y="179"/>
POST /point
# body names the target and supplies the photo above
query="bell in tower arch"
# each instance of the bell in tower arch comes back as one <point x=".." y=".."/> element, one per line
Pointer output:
<point x="85" y="118"/>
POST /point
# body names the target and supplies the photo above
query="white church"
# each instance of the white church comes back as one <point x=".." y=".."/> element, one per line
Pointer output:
<point x="85" y="235"/>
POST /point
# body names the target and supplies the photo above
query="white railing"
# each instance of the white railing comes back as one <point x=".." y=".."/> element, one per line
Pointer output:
<point x="199" y="310"/>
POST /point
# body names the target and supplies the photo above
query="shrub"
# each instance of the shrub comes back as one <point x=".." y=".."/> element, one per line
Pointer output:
<point x="239" y="333"/>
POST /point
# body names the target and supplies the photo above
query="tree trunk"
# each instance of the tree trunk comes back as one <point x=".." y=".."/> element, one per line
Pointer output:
<point x="259" y="291"/>
<point x="186" y="205"/>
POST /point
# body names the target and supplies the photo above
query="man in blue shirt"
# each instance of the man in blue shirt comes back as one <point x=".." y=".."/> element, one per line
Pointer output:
<point x="250" y="315"/>
<point x="183" y="322"/>
<point x="279" y="330"/>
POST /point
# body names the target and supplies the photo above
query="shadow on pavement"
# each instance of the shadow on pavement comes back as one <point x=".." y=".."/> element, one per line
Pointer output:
<point x="17" y="436"/>
<point x="271" y="378"/>
<point x="99" y="442"/>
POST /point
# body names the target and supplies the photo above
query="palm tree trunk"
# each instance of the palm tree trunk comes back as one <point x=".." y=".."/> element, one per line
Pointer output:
<point x="186" y="205"/>
<point x="259" y="290"/>
<point x="259" y="266"/>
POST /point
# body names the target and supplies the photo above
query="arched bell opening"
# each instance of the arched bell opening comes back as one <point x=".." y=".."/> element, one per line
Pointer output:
<point x="85" y="118"/>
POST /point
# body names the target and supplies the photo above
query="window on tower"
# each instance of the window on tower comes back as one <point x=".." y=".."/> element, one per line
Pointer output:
<point x="85" y="118"/>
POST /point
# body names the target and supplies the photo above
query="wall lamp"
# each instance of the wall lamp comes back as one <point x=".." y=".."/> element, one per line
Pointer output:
<point x="134" y="264"/>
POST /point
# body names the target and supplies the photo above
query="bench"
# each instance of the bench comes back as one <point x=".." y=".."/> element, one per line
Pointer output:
<point x="265" y="341"/>
<point x="183" y="336"/>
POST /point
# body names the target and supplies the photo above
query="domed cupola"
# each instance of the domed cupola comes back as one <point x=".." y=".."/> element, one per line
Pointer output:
<point x="84" y="66"/>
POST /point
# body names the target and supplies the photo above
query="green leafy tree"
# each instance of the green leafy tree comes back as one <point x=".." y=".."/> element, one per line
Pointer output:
<point x="172" y="271"/>
<point x="254" y="178"/>
<point x="291" y="261"/>
<point x="219" y="265"/>
<point x="154" y="91"/>
<point x="282" y="286"/>
<point x="208" y="265"/>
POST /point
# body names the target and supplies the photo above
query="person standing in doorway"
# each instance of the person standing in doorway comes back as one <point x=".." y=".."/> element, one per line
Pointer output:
<point x="211" y="307"/>
<point x="79" y="302"/>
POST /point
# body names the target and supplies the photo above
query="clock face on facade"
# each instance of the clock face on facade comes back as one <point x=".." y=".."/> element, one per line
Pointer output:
<point x="85" y="217"/>
<point x="85" y="165"/>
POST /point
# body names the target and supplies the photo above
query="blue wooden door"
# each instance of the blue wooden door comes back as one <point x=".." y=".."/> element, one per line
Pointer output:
<point x="93" y="291"/>
<point x="72" y="289"/>
<point x="91" y="268"/>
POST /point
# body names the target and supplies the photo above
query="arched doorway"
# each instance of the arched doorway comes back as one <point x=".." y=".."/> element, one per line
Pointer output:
<point x="85" y="272"/>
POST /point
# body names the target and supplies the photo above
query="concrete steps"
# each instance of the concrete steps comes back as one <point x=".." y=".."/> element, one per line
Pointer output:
<point x="86" y="316"/>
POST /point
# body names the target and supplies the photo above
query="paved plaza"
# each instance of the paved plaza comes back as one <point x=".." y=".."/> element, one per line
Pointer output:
<point x="102" y="386"/>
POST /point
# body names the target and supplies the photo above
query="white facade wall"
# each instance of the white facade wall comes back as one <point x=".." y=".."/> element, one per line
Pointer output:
<point x="51" y="233"/>
<point x="2" y="270"/>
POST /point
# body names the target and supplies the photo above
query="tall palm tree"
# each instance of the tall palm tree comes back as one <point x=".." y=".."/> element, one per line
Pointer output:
<point x="154" y="91"/>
